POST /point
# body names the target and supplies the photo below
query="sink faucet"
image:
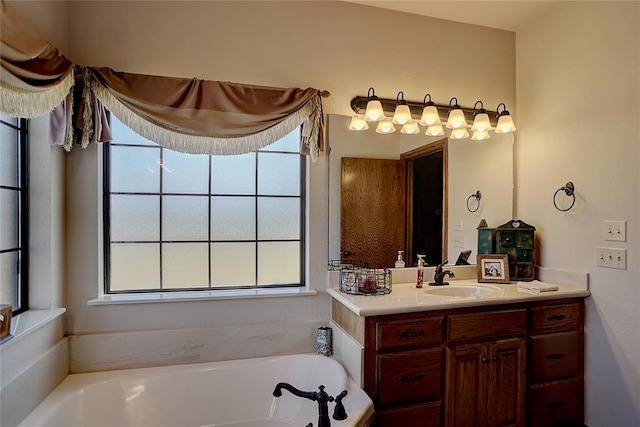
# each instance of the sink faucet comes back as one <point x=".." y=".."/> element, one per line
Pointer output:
<point x="440" y="275"/>
<point x="321" y="397"/>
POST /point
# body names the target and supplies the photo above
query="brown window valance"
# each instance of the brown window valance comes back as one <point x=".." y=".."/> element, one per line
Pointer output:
<point x="35" y="77"/>
<point x="197" y="116"/>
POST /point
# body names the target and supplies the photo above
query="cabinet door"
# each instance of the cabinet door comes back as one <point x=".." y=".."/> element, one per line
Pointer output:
<point x="507" y="383"/>
<point x="465" y="388"/>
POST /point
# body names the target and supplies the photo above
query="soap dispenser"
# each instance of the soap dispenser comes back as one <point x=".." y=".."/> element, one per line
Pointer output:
<point x="399" y="261"/>
<point x="420" y="271"/>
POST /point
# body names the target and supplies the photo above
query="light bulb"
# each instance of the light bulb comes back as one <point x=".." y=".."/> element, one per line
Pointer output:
<point x="435" y="130"/>
<point x="385" y="126"/>
<point x="410" y="128"/>
<point x="358" y="123"/>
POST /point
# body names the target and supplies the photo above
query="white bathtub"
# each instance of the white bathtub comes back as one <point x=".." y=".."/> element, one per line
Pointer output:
<point x="234" y="393"/>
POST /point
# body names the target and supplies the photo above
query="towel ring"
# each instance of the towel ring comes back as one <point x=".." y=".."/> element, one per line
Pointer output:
<point x="477" y="195"/>
<point x="568" y="189"/>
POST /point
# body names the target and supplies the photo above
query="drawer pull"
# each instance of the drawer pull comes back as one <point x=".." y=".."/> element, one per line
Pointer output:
<point x="557" y="317"/>
<point x="412" y="334"/>
<point x="412" y="378"/>
<point x="555" y="405"/>
<point x="555" y="356"/>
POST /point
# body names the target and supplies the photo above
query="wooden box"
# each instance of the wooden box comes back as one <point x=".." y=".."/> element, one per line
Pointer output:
<point x="517" y="239"/>
<point x="5" y="320"/>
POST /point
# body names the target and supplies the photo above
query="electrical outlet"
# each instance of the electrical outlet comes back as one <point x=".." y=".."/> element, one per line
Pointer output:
<point x="611" y="258"/>
<point x="457" y="224"/>
<point x="458" y="241"/>
<point x="615" y="231"/>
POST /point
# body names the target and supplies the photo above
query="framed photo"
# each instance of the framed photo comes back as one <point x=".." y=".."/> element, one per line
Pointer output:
<point x="493" y="269"/>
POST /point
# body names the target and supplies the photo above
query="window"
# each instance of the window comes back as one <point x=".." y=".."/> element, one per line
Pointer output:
<point x="14" y="217"/>
<point x="176" y="221"/>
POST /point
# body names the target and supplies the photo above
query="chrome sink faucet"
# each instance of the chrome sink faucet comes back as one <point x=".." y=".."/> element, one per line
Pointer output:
<point x="439" y="275"/>
<point x="321" y="397"/>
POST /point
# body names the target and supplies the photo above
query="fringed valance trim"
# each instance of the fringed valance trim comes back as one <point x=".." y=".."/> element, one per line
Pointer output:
<point x="194" y="144"/>
<point x="27" y="104"/>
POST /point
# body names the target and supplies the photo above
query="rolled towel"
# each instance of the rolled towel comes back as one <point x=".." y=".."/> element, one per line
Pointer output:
<point x="537" y="286"/>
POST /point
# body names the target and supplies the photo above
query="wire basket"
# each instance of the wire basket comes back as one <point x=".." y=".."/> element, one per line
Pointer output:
<point x="365" y="281"/>
<point x="336" y="264"/>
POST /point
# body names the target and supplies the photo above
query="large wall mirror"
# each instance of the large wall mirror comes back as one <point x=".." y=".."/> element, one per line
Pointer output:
<point x="413" y="193"/>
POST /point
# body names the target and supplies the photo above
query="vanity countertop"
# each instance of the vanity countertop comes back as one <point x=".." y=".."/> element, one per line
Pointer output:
<point x="406" y="298"/>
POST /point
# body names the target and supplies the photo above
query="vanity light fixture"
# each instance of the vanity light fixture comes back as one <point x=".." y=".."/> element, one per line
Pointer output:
<point x="434" y="130"/>
<point x="505" y="122"/>
<point x="402" y="113"/>
<point x="481" y="121"/>
<point x="410" y="128"/>
<point x="456" y="116"/>
<point x="460" y="133"/>
<point x="430" y="115"/>
<point x="480" y="135"/>
<point x="385" y="126"/>
<point x="358" y="123"/>
<point x="374" y="111"/>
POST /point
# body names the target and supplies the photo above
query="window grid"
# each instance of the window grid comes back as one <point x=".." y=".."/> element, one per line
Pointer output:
<point x="20" y="287"/>
<point x="209" y="241"/>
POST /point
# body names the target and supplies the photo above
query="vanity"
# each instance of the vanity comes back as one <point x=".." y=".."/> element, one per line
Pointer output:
<point x="468" y="354"/>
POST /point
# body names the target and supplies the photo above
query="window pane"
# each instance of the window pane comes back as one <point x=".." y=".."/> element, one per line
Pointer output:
<point x="185" y="265"/>
<point x="290" y="143"/>
<point x="123" y="135"/>
<point x="9" y="157"/>
<point x="9" y="277"/>
<point x="135" y="266"/>
<point x="278" y="262"/>
<point x="233" y="174"/>
<point x="278" y="174"/>
<point x="278" y="218"/>
<point x="184" y="173"/>
<point x="233" y="264"/>
<point x="135" y="169"/>
<point x="135" y="218"/>
<point x="185" y="218"/>
<point x="233" y="218"/>
<point x="9" y="219"/>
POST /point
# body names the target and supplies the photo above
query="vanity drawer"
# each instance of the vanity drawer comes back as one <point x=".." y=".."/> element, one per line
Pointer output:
<point x="425" y="415"/>
<point x="555" y="404"/>
<point x="555" y="318"/>
<point x="408" y="376"/>
<point x="487" y="324"/>
<point x="554" y="356"/>
<point x="412" y="333"/>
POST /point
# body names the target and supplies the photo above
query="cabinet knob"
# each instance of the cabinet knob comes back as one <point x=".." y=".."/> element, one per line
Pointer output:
<point x="485" y="359"/>
<point x="412" y="334"/>
<point x="496" y="358"/>
<point x="411" y="378"/>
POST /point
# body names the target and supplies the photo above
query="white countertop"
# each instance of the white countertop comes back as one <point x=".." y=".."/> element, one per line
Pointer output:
<point x="406" y="298"/>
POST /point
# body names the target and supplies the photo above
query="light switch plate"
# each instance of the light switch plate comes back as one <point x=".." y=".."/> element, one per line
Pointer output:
<point x="457" y="224"/>
<point x="615" y="231"/>
<point x="611" y="258"/>
<point x="458" y="240"/>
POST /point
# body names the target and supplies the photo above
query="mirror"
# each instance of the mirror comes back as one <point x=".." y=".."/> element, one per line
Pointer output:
<point x="472" y="166"/>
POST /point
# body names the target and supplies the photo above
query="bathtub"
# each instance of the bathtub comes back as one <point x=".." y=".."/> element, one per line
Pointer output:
<point x="233" y="393"/>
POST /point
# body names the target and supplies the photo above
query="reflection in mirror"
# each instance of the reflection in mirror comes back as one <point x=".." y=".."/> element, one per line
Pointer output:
<point x="469" y="166"/>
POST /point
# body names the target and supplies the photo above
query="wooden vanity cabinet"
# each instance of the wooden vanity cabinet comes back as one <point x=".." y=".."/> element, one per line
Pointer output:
<point x="505" y="365"/>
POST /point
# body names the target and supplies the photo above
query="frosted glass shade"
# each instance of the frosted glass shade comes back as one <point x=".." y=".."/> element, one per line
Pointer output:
<point x="481" y="123"/>
<point x="456" y="119"/>
<point x="505" y="124"/>
<point x="402" y="115"/>
<point x="480" y="135"/>
<point x="358" y="123"/>
<point x="374" y="111"/>
<point x="385" y="126"/>
<point x="430" y="116"/>
<point x="411" y="128"/>
<point x="435" y="130"/>
<point x="459" y="133"/>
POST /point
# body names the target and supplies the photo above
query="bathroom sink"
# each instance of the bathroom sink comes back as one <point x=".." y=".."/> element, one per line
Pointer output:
<point x="463" y="291"/>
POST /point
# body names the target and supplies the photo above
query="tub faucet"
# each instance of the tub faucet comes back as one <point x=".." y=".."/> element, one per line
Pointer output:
<point x="440" y="275"/>
<point x="321" y="397"/>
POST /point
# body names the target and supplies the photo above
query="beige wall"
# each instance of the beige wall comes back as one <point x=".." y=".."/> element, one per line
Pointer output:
<point x="578" y="87"/>
<point x="318" y="44"/>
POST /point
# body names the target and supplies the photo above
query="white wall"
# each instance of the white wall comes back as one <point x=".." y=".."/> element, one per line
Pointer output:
<point x="268" y="43"/>
<point x="578" y="74"/>
<point x="32" y="364"/>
